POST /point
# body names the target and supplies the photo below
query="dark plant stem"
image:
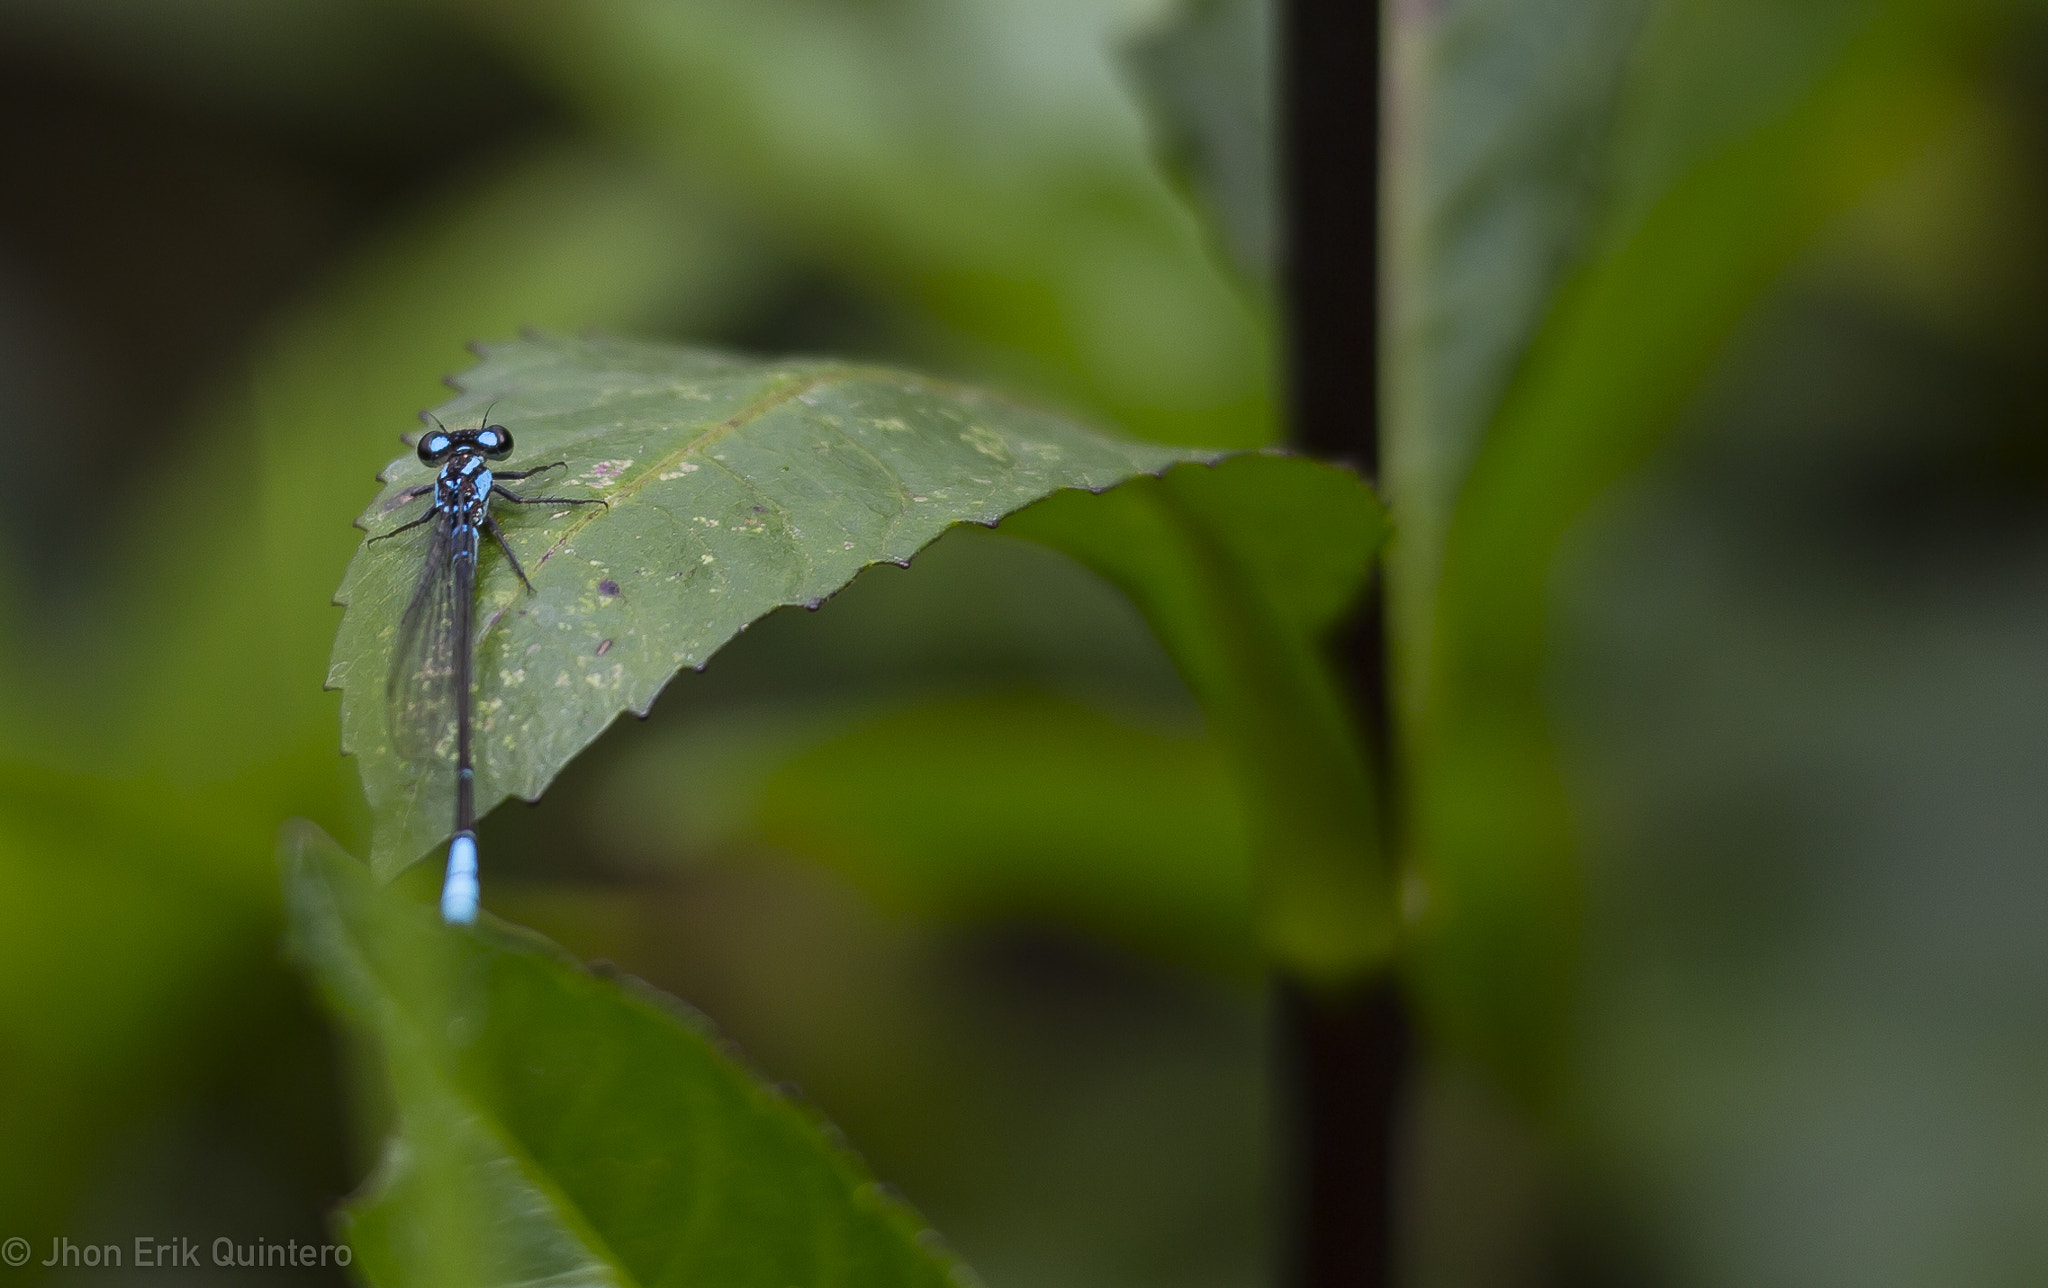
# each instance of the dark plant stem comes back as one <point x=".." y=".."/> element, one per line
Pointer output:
<point x="1344" y="1058"/>
<point x="1330" y="88"/>
<point x="1344" y="1049"/>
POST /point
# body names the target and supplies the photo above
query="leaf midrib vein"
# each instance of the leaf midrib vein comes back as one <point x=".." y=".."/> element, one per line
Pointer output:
<point x="793" y="388"/>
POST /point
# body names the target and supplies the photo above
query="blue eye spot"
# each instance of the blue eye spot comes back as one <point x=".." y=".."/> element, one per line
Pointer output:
<point x="434" y="448"/>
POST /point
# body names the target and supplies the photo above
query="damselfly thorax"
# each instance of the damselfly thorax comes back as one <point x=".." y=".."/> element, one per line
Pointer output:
<point x="463" y="489"/>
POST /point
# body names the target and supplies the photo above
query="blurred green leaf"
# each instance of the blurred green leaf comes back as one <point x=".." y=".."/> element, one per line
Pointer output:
<point x="1504" y="110"/>
<point x="1240" y="569"/>
<point x="553" y="1126"/>
<point x="982" y="168"/>
<point x="1208" y="76"/>
<point x="734" y="487"/>
<point x="128" y="938"/>
<point x="997" y="805"/>
<point x="1005" y="805"/>
<point x="1721" y="172"/>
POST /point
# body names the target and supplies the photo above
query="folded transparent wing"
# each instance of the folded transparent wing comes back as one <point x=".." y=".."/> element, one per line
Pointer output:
<point x="419" y="690"/>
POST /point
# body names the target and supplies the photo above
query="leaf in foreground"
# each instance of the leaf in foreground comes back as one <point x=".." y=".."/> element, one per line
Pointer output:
<point x="553" y="1126"/>
<point x="735" y="487"/>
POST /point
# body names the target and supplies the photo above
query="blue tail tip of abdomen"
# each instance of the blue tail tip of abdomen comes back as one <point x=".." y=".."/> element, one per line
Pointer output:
<point x="459" y="889"/>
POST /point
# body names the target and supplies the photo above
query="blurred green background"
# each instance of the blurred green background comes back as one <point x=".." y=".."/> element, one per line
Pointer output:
<point x="1716" y="447"/>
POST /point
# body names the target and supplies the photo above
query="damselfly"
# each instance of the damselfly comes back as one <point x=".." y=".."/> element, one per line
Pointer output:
<point x="427" y="692"/>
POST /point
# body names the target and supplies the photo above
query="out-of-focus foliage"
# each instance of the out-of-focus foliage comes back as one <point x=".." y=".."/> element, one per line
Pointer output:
<point x="1799" y="238"/>
<point x="1241" y="572"/>
<point x="1715" y="171"/>
<point x="979" y="807"/>
<point x="1210" y="80"/>
<point x="554" y="1126"/>
<point x="984" y="165"/>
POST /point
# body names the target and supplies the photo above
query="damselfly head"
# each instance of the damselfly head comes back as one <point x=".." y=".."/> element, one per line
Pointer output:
<point x="493" y="441"/>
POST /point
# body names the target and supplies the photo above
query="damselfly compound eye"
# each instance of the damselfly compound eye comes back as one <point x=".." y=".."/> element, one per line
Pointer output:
<point x="495" y="441"/>
<point x="435" y="448"/>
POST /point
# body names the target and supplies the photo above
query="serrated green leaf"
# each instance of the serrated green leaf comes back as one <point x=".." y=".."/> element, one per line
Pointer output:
<point x="554" y="1126"/>
<point x="733" y="486"/>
